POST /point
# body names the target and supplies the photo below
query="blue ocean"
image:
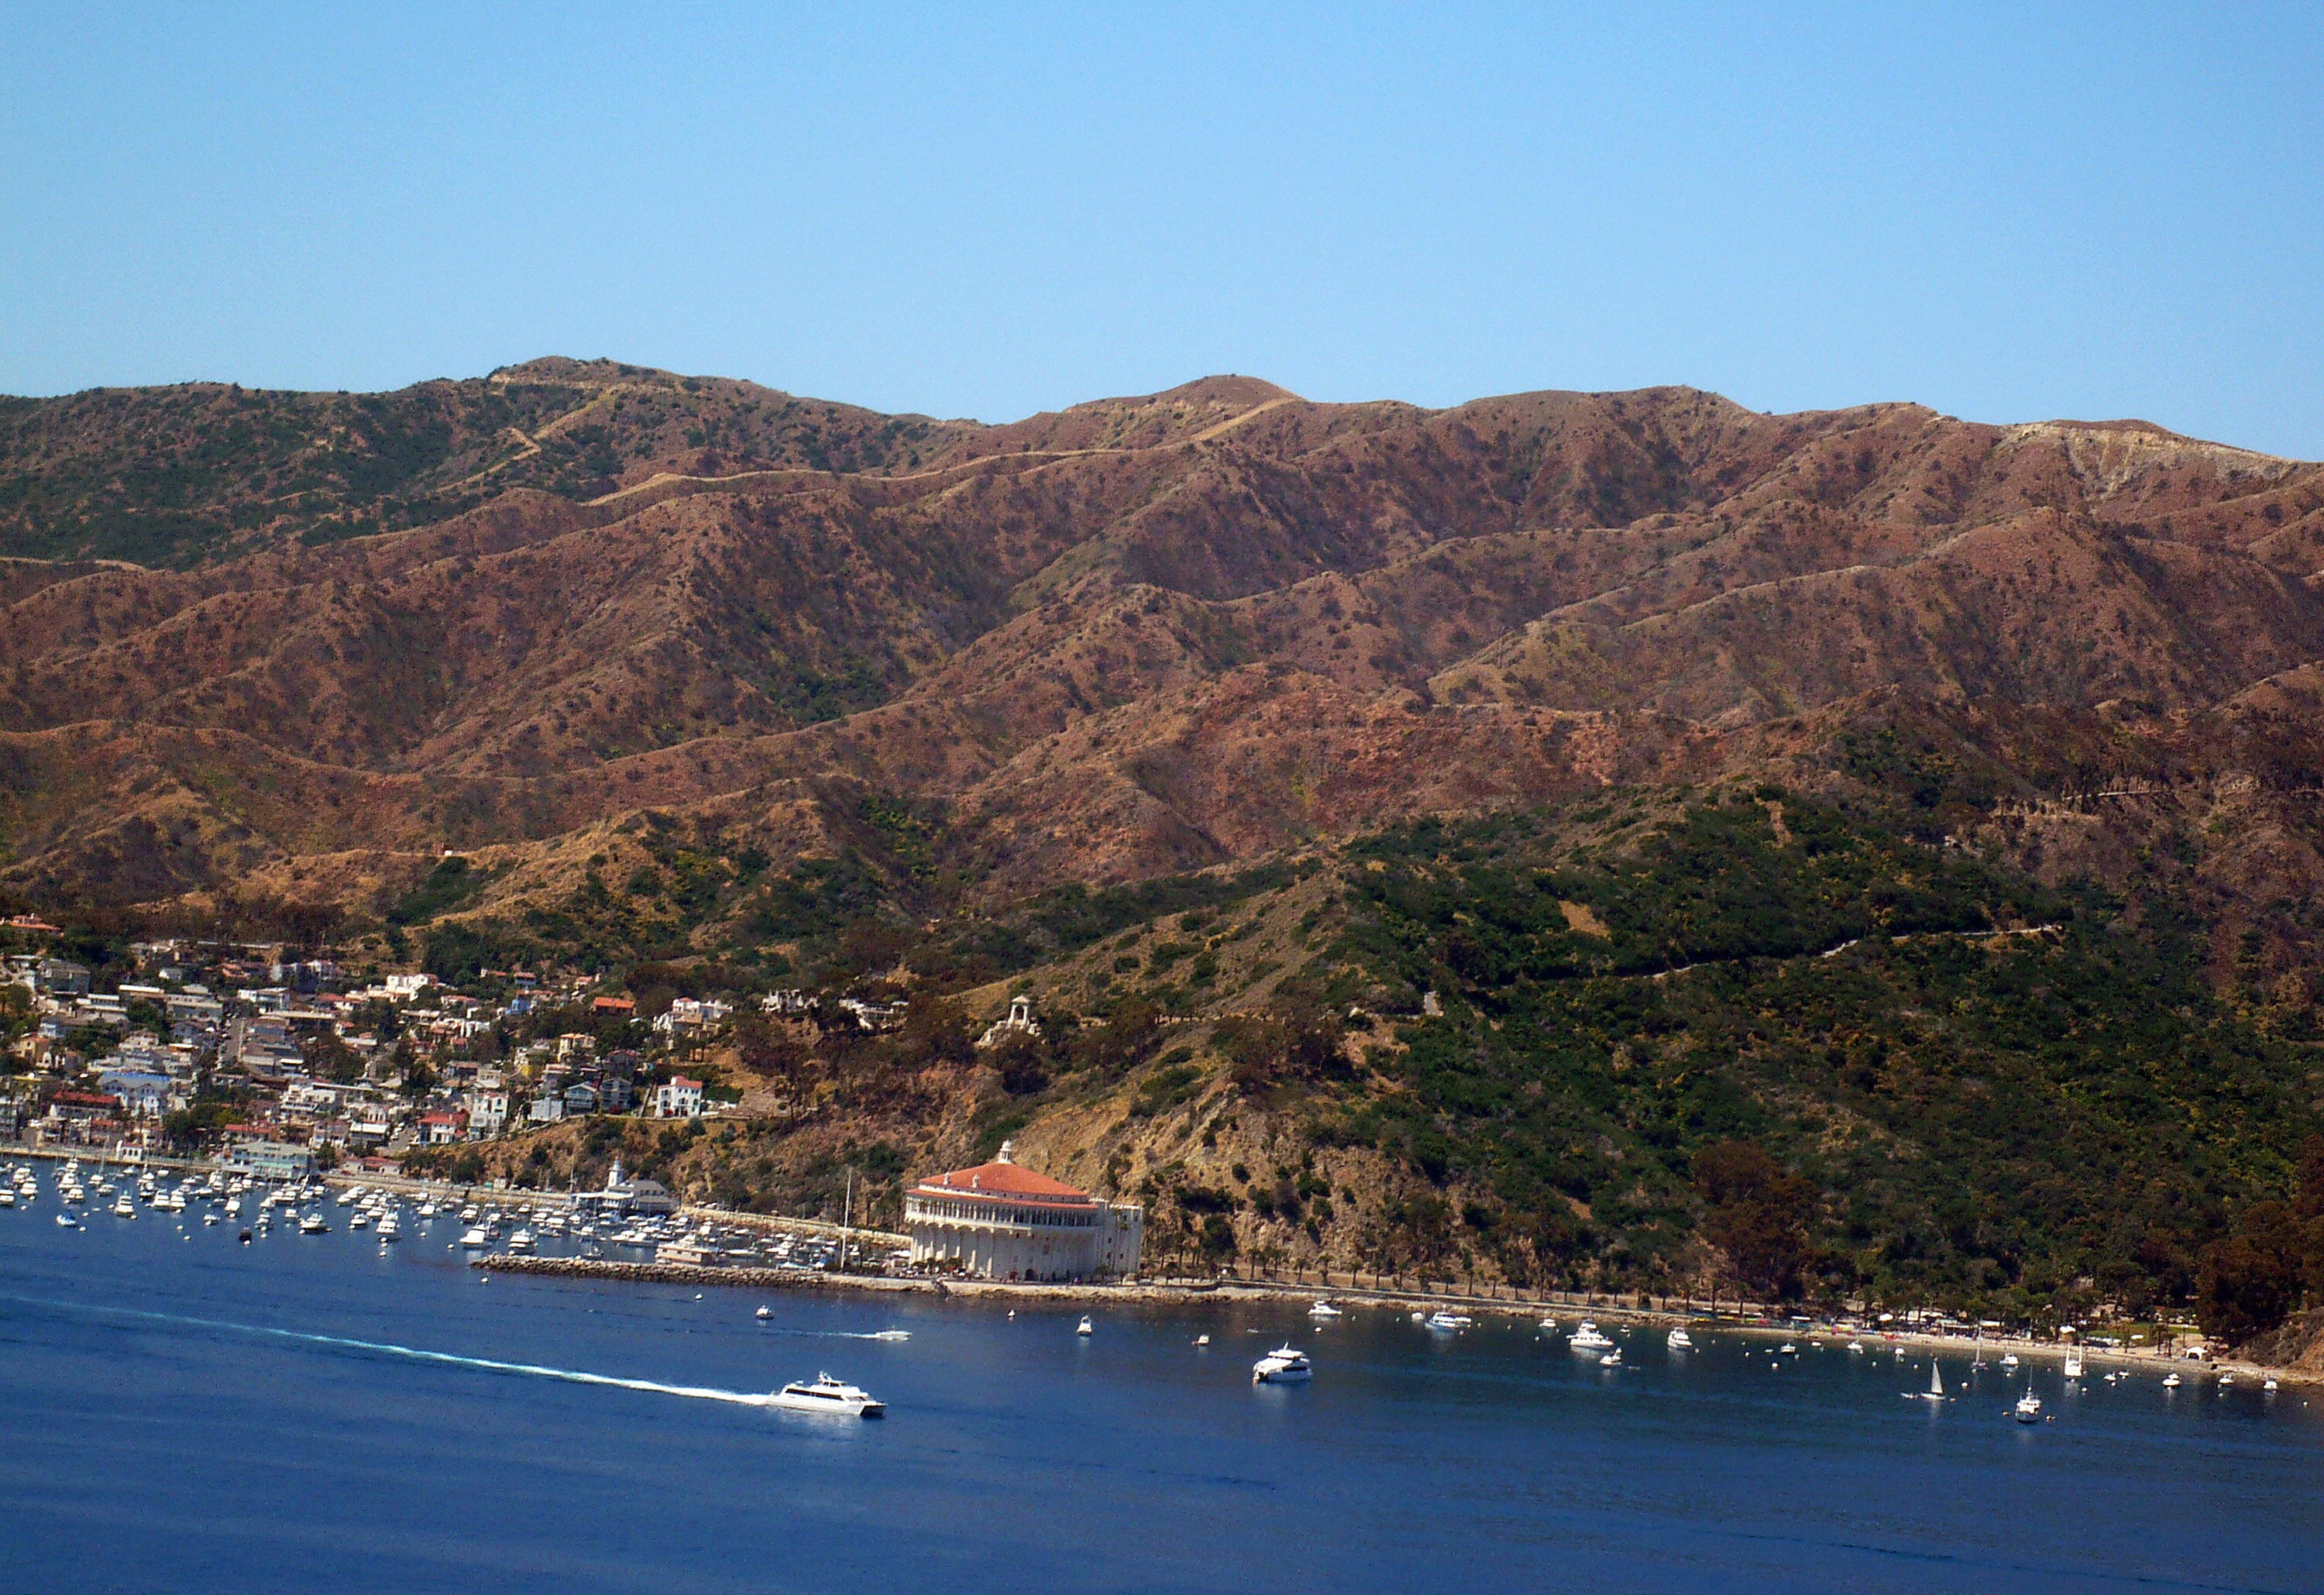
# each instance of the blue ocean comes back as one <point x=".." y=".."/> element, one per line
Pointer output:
<point x="180" y="1412"/>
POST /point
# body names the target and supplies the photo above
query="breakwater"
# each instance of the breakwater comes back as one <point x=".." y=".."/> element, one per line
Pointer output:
<point x="699" y="1274"/>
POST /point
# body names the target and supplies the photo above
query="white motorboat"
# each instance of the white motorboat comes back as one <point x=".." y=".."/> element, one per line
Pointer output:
<point x="1286" y="1365"/>
<point x="824" y="1394"/>
<point x="2073" y="1363"/>
<point x="1202" y="1340"/>
<point x="234" y="1207"/>
<point x="1445" y="1319"/>
<point x="7" y="1197"/>
<point x="2029" y="1407"/>
<point x="313" y="1224"/>
<point x="2226" y="1382"/>
<point x="2268" y="1384"/>
<point x="1324" y="1309"/>
<point x="1547" y="1326"/>
<point x="1856" y="1347"/>
<point x="123" y="1208"/>
<point x="522" y="1240"/>
<point x="765" y="1312"/>
<point x="2009" y="1359"/>
<point x="1678" y="1339"/>
<point x="66" y="1221"/>
<point x="390" y="1229"/>
<point x="209" y="1218"/>
<point x="2171" y="1381"/>
<point x="1587" y="1338"/>
<point x="1085" y="1327"/>
<point x="1612" y="1359"/>
<point x="360" y="1221"/>
<point x="475" y="1237"/>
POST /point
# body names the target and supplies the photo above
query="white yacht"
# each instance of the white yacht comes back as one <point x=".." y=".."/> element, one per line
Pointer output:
<point x="475" y="1236"/>
<point x="7" y="1197"/>
<point x="390" y="1229"/>
<point x="1587" y="1338"/>
<point x="1445" y="1319"/>
<point x="123" y="1208"/>
<point x="522" y="1240"/>
<point x="825" y="1394"/>
<point x="313" y="1224"/>
<point x="1678" y="1339"/>
<point x="359" y="1220"/>
<point x="1286" y="1365"/>
<point x="2029" y="1407"/>
<point x="1324" y="1309"/>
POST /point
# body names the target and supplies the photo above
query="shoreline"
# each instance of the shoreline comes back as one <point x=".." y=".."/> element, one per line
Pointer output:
<point x="1159" y="1292"/>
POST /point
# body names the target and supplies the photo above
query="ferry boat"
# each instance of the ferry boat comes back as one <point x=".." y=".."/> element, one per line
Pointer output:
<point x="1587" y="1338"/>
<point x="1286" y="1365"/>
<point x="824" y="1394"/>
<point x="1678" y="1339"/>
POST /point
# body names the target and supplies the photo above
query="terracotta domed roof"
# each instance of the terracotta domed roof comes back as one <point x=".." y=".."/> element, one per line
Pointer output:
<point x="1001" y="1178"/>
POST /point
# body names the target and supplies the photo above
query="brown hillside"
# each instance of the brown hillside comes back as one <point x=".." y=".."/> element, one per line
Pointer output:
<point x="1133" y="636"/>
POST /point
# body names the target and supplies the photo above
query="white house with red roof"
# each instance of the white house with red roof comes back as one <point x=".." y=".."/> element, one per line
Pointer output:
<point x="1000" y="1220"/>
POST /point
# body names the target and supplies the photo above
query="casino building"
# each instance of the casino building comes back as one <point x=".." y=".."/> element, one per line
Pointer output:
<point x="999" y="1221"/>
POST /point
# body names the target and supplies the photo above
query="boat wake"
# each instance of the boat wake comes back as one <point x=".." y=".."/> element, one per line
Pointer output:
<point x="418" y="1354"/>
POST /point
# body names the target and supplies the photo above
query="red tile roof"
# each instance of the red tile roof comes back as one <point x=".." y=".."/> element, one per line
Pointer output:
<point x="1011" y="1181"/>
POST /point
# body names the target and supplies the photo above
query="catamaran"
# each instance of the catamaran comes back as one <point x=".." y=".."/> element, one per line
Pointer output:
<point x="824" y="1394"/>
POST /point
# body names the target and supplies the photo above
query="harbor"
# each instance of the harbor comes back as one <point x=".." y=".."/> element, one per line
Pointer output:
<point x="557" y="1412"/>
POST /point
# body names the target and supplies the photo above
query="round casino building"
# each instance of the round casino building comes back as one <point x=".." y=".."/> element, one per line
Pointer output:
<point x="999" y="1221"/>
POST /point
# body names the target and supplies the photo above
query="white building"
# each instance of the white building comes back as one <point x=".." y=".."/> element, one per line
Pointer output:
<point x="488" y="1113"/>
<point x="679" y="1098"/>
<point x="1000" y="1221"/>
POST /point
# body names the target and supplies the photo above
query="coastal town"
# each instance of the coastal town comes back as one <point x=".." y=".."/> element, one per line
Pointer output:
<point x="287" y="1065"/>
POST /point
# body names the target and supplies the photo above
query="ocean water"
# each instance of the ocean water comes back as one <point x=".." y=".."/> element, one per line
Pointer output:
<point x="179" y="1412"/>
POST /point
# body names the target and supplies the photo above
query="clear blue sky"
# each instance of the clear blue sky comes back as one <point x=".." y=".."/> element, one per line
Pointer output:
<point x="2008" y="214"/>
